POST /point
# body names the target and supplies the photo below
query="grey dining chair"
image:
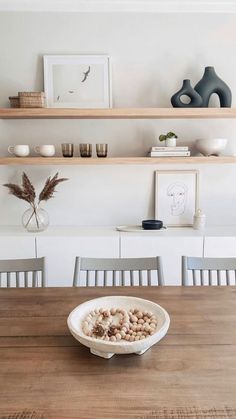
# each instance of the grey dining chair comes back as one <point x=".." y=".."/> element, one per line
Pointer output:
<point x="208" y="271"/>
<point x="22" y="273"/>
<point x="118" y="272"/>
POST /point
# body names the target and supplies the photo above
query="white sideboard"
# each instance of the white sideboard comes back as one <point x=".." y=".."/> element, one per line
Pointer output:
<point x="168" y="244"/>
<point x="60" y="245"/>
<point x="220" y="242"/>
<point x="16" y="244"/>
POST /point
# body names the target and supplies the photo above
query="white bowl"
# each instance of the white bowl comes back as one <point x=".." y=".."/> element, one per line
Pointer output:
<point x="108" y="349"/>
<point x="211" y="146"/>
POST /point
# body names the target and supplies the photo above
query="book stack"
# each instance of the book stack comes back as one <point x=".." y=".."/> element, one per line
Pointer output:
<point x="169" y="152"/>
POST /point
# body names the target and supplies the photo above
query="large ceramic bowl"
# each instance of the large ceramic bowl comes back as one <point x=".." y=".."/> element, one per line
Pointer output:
<point x="108" y="349"/>
<point x="211" y="146"/>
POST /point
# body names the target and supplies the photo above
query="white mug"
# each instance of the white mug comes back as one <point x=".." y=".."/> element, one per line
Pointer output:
<point x="20" y="150"/>
<point x="45" y="150"/>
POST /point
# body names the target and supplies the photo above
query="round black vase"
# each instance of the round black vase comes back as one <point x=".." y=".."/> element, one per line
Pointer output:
<point x="186" y="89"/>
<point x="211" y="83"/>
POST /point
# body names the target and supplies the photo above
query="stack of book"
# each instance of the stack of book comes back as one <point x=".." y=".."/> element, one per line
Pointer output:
<point x="169" y="152"/>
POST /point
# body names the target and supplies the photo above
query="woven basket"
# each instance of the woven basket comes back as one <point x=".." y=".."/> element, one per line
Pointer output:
<point x="32" y="99"/>
<point x="14" y="101"/>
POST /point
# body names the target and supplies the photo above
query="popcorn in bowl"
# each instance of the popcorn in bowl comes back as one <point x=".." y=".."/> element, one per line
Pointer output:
<point x="118" y="325"/>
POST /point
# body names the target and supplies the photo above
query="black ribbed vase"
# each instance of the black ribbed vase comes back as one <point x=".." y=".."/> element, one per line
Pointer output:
<point x="211" y="83"/>
<point x="186" y="89"/>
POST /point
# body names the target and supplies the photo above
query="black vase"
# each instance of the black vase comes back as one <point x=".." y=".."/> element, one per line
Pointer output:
<point x="211" y="83"/>
<point x="186" y="89"/>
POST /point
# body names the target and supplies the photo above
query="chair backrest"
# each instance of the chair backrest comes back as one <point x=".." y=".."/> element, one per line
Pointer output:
<point x="208" y="271"/>
<point x="22" y="273"/>
<point x="117" y="272"/>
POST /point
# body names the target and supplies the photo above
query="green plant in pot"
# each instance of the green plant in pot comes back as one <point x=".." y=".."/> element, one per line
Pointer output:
<point x="170" y="139"/>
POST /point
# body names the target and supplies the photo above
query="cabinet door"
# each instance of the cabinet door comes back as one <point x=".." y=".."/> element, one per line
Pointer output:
<point x="220" y="247"/>
<point x="170" y="248"/>
<point x="60" y="253"/>
<point x="17" y="247"/>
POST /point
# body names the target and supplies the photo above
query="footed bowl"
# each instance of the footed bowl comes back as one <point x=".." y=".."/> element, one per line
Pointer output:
<point x="108" y="349"/>
<point x="212" y="146"/>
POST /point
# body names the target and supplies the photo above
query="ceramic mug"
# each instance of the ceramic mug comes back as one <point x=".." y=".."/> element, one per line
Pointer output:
<point x="45" y="150"/>
<point x="21" y="150"/>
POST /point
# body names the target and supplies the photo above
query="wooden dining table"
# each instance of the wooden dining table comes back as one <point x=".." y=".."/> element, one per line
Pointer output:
<point x="43" y="368"/>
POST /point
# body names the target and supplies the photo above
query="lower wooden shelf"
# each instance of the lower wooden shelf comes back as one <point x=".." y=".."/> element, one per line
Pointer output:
<point x="115" y="160"/>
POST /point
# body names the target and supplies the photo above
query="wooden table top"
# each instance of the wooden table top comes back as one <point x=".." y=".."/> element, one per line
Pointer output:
<point x="42" y="367"/>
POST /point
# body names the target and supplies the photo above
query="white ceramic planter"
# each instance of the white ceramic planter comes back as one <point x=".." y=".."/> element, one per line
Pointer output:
<point x="108" y="349"/>
<point x="170" y="142"/>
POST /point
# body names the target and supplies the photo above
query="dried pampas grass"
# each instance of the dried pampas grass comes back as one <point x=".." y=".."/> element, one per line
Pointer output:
<point x="49" y="187"/>
<point x="27" y="191"/>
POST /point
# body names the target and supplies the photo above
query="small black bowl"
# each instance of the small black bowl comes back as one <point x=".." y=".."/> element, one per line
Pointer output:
<point x="152" y="224"/>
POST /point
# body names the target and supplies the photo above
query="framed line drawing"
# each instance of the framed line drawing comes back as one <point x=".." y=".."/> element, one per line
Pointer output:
<point x="176" y="196"/>
<point x="77" y="81"/>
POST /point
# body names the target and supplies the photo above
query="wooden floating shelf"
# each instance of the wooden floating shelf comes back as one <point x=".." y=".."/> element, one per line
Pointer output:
<point x="117" y="113"/>
<point x="115" y="160"/>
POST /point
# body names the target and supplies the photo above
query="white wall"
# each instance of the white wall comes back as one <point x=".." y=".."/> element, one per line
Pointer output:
<point x="151" y="54"/>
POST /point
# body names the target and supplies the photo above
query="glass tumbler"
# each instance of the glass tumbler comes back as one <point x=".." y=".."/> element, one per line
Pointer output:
<point x="85" y="150"/>
<point x="67" y="150"/>
<point x="101" y="150"/>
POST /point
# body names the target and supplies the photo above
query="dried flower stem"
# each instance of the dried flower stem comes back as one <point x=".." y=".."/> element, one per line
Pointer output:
<point x="27" y="193"/>
<point x="34" y="212"/>
<point x="49" y="187"/>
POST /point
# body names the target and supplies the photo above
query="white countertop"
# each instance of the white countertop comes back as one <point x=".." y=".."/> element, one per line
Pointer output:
<point x="60" y="231"/>
<point x="217" y="231"/>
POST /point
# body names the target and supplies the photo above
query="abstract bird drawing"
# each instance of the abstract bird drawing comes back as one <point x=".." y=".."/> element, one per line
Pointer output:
<point x="86" y="73"/>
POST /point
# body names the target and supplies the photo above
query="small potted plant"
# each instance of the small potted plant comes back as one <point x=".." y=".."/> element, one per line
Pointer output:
<point x="170" y="139"/>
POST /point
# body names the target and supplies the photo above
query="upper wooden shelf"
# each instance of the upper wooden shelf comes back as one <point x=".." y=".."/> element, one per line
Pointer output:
<point x="117" y="113"/>
<point x="115" y="160"/>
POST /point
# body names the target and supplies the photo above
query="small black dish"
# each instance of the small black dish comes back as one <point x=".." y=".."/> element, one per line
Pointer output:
<point x="152" y="224"/>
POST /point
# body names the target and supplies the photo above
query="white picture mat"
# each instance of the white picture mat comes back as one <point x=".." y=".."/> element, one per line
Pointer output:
<point x="176" y="196"/>
<point x="77" y="81"/>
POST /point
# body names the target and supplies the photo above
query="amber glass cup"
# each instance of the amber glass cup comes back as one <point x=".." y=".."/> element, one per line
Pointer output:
<point x="101" y="150"/>
<point x="85" y="150"/>
<point x="67" y="150"/>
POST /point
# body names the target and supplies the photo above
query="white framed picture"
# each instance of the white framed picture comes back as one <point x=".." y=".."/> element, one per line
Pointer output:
<point x="176" y="196"/>
<point x="77" y="81"/>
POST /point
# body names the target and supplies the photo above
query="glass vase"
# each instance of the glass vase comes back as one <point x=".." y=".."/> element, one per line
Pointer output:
<point x="35" y="219"/>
